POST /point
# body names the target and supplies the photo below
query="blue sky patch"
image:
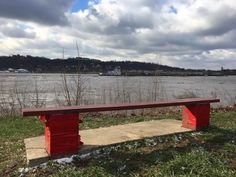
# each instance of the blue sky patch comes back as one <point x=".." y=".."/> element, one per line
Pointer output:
<point x="79" y="5"/>
<point x="172" y="9"/>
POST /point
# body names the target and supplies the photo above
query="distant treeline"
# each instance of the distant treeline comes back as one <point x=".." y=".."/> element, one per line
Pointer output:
<point x="86" y="65"/>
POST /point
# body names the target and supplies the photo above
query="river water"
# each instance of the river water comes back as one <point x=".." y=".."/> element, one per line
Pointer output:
<point x="49" y="88"/>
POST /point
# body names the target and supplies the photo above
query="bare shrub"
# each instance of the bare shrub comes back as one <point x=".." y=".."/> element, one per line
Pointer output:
<point x="34" y="97"/>
<point x="230" y="99"/>
<point x="127" y="91"/>
<point x="213" y="94"/>
<point x="72" y="87"/>
<point x="7" y="102"/>
<point x="139" y="97"/>
<point x="110" y="94"/>
<point x="16" y="98"/>
<point x="157" y="92"/>
<point x="21" y="96"/>
<point x="72" y="90"/>
<point x="38" y="96"/>
<point x="89" y="94"/>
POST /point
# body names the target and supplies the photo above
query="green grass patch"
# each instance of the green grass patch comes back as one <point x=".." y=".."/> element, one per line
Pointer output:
<point x="199" y="162"/>
<point x="211" y="152"/>
<point x="108" y="120"/>
<point x="13" y="130"/>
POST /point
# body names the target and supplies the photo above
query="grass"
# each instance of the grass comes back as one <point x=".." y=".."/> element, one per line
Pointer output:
<point x="96" y="121"/>
<point x="211" y="152"/>
<point x="13" y="130"/>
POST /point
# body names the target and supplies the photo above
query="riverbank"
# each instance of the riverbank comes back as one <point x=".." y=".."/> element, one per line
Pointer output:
<point x="207" y="153"/>
<point x="88" y="65"/>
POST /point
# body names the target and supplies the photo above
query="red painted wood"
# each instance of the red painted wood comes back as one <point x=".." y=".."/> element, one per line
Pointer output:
<point x="61" y="134"/>
<point x="113" y="107"/>
<point x="196" y="116"/>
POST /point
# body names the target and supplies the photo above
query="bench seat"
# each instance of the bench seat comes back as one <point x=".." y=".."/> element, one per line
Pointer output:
<point x="62" y="123"/>
<point x="114" y="107"/>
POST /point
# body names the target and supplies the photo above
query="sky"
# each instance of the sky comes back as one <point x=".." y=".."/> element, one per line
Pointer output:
<point x="193" y="34"/>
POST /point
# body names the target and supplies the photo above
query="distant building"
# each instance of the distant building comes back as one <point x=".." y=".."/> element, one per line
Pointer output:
<point x="21" y="71"/>
<point x="11" y="70"/>
<point x="114" y="72"/>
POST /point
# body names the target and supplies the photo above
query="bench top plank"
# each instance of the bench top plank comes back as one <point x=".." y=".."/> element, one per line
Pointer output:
<point x="114" y="107"/>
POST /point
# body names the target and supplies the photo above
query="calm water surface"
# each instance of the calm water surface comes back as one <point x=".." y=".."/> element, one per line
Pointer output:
<point x="106" y="89"/>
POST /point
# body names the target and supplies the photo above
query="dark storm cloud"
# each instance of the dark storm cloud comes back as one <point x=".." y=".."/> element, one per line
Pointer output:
<point x="49" y="12"/>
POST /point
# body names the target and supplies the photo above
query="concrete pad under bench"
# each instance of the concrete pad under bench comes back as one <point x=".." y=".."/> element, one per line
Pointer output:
<point x="100" y="137"/>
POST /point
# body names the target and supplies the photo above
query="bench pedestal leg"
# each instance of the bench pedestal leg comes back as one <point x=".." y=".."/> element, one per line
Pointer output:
<point x="62" y="134"/>
<point x="196" y="116"/>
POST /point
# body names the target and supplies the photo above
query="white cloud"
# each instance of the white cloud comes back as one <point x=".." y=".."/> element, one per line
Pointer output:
<point x="198" y="34"/>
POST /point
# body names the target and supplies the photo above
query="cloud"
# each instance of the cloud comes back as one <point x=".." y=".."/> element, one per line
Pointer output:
<point x="184" y="33"/>
<point x="213" y="59"/>
<point x="220" y="21"/>
<point x="17" y="32"/>
<point x="49" y="12"/>
<point x="173" y="10"/>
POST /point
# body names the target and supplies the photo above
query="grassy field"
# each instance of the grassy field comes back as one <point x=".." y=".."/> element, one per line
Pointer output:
<point x="211" y="152"/>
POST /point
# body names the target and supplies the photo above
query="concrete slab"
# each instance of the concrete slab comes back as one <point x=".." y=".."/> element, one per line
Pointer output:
<point x="35" y="151"/>
<point x="96" y="138"/>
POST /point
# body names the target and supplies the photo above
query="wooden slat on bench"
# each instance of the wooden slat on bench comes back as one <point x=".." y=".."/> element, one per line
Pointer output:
<point x="113" y="107"/>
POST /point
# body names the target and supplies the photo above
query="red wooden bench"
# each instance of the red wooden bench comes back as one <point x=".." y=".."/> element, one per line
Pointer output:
<point x="62" y="123"/>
